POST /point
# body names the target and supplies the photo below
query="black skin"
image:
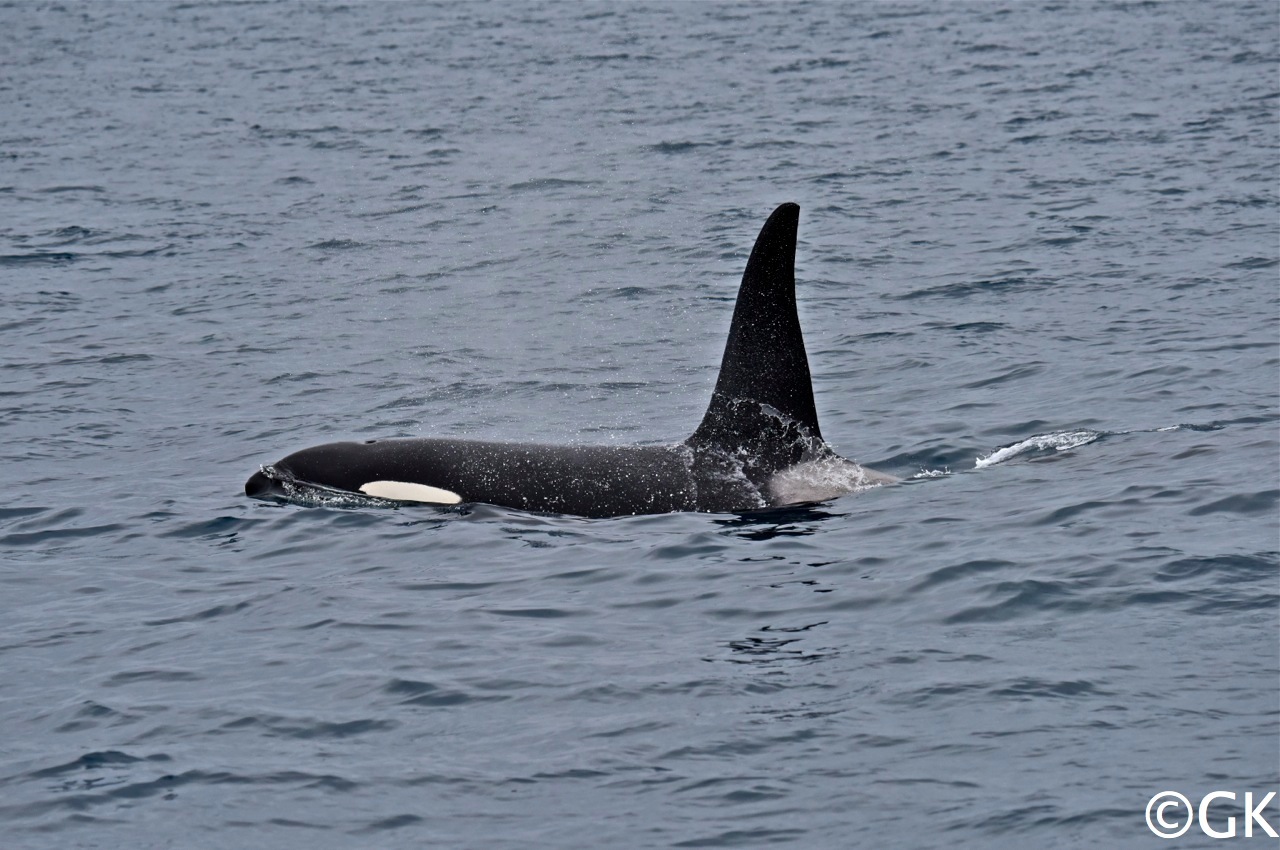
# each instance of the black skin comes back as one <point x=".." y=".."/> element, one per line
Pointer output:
<point x="582" y="480"/>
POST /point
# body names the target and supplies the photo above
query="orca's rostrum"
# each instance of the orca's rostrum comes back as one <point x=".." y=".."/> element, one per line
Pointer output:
<point x="758" y="445"/>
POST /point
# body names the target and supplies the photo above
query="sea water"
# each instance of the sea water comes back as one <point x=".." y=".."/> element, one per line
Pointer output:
<point x="1037" y="273"/>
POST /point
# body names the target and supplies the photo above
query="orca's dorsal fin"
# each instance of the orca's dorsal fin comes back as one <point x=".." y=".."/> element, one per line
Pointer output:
<point x="764" y="364"/>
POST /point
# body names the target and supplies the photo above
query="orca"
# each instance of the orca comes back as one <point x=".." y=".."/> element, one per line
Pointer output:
<point x="758" y="446"/>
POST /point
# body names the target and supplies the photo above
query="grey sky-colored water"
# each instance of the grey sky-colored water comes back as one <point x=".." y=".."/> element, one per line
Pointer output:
<point x="228" y="231"/>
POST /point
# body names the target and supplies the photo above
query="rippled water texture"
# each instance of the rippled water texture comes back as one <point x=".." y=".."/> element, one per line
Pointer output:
<point x="1038" y="278"/>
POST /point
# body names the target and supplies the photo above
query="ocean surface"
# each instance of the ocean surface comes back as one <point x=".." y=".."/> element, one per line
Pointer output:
<point x="1039" y="275"/>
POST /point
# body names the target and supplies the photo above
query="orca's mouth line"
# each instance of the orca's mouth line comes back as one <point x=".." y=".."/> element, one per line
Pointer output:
<point x="275" y="485"/>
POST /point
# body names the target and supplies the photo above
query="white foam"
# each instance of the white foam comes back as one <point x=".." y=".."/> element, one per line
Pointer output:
<point x="407" y="491"/>
<point x="1058" y="441"/>
<point x="822" y="479"/>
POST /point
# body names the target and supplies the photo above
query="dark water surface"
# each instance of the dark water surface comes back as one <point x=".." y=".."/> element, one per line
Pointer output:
<point x="1037" y="270"/>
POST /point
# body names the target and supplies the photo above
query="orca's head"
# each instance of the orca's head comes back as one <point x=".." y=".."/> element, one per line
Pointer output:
<point x="381" y="469"/>
<point x="266" y="487"/>
<point x="336" y="466"/>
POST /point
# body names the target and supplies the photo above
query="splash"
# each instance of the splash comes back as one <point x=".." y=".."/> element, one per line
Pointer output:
<point x="307" y="495"/>
<point x="1058" y="441"/>
<point x="821" y="479"/>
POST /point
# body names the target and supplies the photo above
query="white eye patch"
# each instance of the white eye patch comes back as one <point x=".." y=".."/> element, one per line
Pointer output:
<point x="403" y="491"/>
